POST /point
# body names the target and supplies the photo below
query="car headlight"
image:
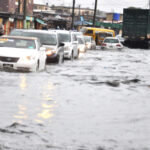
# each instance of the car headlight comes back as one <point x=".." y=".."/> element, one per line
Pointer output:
<point x="66" y="48"/>
<point x="27" y="58"/>
<point x="49" y="52"/>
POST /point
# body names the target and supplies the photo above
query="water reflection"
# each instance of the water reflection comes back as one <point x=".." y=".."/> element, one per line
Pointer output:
<point x="21" y="113"/>
<point x="43" y="104"/>
<point x="23" y="83"/>
<point x="48" y="104"/>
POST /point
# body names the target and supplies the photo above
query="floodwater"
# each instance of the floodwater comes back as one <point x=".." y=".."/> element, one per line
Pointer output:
<point x="99" y="102"/>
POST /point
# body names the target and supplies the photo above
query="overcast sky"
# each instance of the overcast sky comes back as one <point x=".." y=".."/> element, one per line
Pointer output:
<point x="104" y="5"/>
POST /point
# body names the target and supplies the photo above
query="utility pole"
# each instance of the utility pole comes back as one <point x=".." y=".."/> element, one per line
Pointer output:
<point x="18" y="6"/>
<point x="94" y="13"/>
<point x="72" y="25"/>
<point x="79" y="12"/>
<point x="24" y="8"/>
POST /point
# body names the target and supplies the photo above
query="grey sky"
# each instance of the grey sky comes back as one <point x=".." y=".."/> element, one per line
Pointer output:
<point x="104" y="5"/>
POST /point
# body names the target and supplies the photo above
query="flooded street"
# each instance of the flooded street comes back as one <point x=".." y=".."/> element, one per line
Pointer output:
<point x="99" y="102"/>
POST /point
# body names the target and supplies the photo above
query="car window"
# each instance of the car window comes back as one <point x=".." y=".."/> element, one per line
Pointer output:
<point x="62" y="37"/>
<point x="74" y="37"/>
<point x="45" y="39"/>
<point x="111" y="41"/>
<point x="17" y="43"/>
<point x="80" y="41"/>
<point x="87" y="39"/>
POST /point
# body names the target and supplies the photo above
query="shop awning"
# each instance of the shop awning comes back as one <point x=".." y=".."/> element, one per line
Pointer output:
<point x="28" y="18"/>
<point x="41" y="22"/>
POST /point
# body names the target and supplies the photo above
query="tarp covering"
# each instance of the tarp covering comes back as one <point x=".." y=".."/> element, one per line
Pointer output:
<point x="108" y="25"/>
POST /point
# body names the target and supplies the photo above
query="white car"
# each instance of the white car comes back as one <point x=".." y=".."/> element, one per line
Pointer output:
<point x="90" y="43"/>
<point x="111" y="43"/>
<point x="48" y="39"/>
<point x="120" y="38"/>
<point x="70" y="41"/>
<point x="81" y="44"/>
<point x="22" y="53"/>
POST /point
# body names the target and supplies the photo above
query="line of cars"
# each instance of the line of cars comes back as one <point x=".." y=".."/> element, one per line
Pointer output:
<point x="30" y="50"/>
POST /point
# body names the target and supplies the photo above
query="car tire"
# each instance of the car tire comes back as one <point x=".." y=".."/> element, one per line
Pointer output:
<point x="37" y="66"/>
<point x="72" y="56"/>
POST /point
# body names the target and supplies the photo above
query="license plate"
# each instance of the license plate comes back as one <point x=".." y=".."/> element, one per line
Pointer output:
<point x="8" y="65"/>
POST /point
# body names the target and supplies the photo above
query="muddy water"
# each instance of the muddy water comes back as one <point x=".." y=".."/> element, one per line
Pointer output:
<point x="99" y="102"/>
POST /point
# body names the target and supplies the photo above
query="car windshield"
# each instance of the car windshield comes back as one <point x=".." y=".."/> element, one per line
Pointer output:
<point x="87" y="39"/>
<point x="64" y="37"/>
<point x="80" y="41"/>
<point x="45" y="39"/>
<point x="17" y="43"/>
<point x="111" y="41"/>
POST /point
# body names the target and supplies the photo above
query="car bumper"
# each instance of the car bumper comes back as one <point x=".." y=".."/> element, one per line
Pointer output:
<point x="19" y="66"/>
<point x="111" y="48"/>
<point x="67" y="54"/>
<point x="52" y="57"/>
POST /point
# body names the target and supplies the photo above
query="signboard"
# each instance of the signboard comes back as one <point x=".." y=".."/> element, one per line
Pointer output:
<point x="116" y="16"/>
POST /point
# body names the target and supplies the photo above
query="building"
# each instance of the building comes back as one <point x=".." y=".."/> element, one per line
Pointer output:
<point x="14" y="14"/>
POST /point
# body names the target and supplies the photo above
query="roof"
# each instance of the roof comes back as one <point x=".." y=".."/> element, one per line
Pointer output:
<point x="20" y="37"/>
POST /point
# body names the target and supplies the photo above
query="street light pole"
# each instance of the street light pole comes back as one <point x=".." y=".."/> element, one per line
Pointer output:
<point x="72" y="25"/>
<point x="94" y="13"/>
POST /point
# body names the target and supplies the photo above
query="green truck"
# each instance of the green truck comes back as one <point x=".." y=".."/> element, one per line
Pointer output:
<point x="136" y="28"/>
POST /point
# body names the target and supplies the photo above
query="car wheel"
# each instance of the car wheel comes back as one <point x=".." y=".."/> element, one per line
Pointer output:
<point x="72" y="56"/>
<point x="37" y="66"/>
<point x="44" y="66"/>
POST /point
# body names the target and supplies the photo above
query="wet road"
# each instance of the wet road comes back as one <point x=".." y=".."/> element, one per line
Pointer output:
<point x="99" y="102"/>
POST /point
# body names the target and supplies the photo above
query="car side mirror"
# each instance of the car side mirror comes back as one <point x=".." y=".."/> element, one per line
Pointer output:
<point x="61" y="44"/>
<point x="42" y="48"/>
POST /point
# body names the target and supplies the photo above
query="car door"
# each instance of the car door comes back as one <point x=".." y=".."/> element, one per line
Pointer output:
<point x="42" y="55"/>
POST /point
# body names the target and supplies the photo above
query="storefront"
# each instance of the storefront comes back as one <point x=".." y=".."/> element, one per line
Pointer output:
<point x="40" y="24"/>
<point x="29" y="22"/>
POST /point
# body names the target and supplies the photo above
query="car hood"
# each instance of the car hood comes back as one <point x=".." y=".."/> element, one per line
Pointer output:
<point x="16" y="52"/>
<point x="52" y="47"/>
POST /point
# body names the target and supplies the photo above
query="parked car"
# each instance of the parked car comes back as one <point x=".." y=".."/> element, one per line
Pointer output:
<point x="70" y="41"/>
<point x="111" y="43"/>
<point x="21" y="53"/>
<point x="81" y="44"/>
<point x="49" y="40"/>
<point x="17" y="32"/>
<point x="121" y="39"/>
<point x="90" y="43"/>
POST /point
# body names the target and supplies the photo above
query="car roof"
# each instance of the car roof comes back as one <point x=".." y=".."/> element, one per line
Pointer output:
<point x="60" y="31"/>
<point x="20" y="37"/>
<point x="111" y="38"/>
<point x="87" y="36"/>
<point x="41" y="31"/>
